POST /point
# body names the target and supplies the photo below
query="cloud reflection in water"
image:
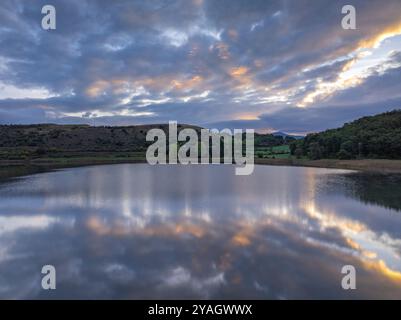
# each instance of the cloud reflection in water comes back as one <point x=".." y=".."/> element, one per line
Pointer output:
<point x="135" y="231"/>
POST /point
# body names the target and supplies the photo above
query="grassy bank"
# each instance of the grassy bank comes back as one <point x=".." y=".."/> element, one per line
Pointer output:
<point x="16" y="168"/>
<point x="371" y="165"/>
<point x="13" y="168"/>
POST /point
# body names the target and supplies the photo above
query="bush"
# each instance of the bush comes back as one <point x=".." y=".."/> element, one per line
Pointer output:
<point x="315" y="151"/>
<point x="344" y="155"/>
<point x="298" y="153"/>
<point x="40" y="151"/>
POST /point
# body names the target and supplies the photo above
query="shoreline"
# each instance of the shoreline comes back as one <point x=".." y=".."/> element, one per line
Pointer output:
<point x="364" y="165"/>
<point x="16" y="168"/>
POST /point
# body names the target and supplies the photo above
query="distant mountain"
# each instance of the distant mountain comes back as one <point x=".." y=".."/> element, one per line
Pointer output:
<point x="285" y="135"/>
<point x="375" y="137"/>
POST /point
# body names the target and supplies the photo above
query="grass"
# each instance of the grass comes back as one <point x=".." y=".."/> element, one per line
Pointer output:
<point x="279" y="155"/>
<point x="373" y="165"/>
<point x="368" y="165"/>
<point x="278" y="152"/>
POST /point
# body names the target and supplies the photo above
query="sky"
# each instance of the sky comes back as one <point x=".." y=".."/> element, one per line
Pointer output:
<point x="267" y="65"/>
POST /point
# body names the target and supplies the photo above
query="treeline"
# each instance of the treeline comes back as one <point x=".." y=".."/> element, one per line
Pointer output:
<point x="21" y="142"/>
<point x="372" y="137"/>
<point x="269" y="140"/>
<point x="50" y="137"/>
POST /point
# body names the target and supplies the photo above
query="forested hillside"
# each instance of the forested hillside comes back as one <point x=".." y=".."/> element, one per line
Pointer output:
<point x="375" y="137"/>
<point x="20" y="142"/>
<point x="51" y="140"/>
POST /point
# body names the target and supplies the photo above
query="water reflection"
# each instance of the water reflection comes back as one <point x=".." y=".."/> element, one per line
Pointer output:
<point x="135" y="231"/>
<point x="383" y="189"/>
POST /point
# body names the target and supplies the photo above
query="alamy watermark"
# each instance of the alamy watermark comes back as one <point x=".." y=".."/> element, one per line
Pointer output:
<point x="49" y="278"/>
<point x="348" y="282"/>
<point x="347" y="22"/>
<point x="213" y="146"/>
<point x="49" y="20"/>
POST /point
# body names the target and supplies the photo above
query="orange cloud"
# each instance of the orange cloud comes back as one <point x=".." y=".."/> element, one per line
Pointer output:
<point x="187" y="84"/>
<point x="381" y="267"/>
<point x="238" y="72"/>
<point x="375" y="41"/>
<point x="97" y="88"/>
<point x="241" y="240"/>
<point x="247" y="116"/>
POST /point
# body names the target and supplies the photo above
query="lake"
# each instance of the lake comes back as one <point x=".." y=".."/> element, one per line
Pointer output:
<point x="134" y="231"/>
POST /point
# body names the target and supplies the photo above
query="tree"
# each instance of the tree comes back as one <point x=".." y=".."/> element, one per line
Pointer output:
<point x="299" y="152"/>
<point x="343" y="155"/>
<point x="315" y="151"/>
<point x="347" y="146"/>
<point x="376" y="136"/>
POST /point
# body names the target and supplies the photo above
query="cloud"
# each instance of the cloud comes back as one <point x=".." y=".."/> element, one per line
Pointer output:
<point x="200" y="62"/>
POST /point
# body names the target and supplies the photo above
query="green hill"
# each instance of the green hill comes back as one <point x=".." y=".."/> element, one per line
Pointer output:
<point x="27" y="142"/>
<point x="374" y="137"/>
<point x="50" y="140"/>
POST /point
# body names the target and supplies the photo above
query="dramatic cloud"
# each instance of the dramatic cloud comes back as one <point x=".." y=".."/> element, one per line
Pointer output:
<point x="280" y="65"/>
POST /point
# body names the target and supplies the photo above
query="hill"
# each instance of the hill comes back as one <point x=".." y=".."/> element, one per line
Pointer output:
<point x="286" y="135"/>
<point x="31" y="141"/>
<point x="25" y="142"/>
<point x="374" y="137"/>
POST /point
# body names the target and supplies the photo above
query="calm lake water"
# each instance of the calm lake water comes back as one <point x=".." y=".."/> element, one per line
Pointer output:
<point x="136" y="231"/>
